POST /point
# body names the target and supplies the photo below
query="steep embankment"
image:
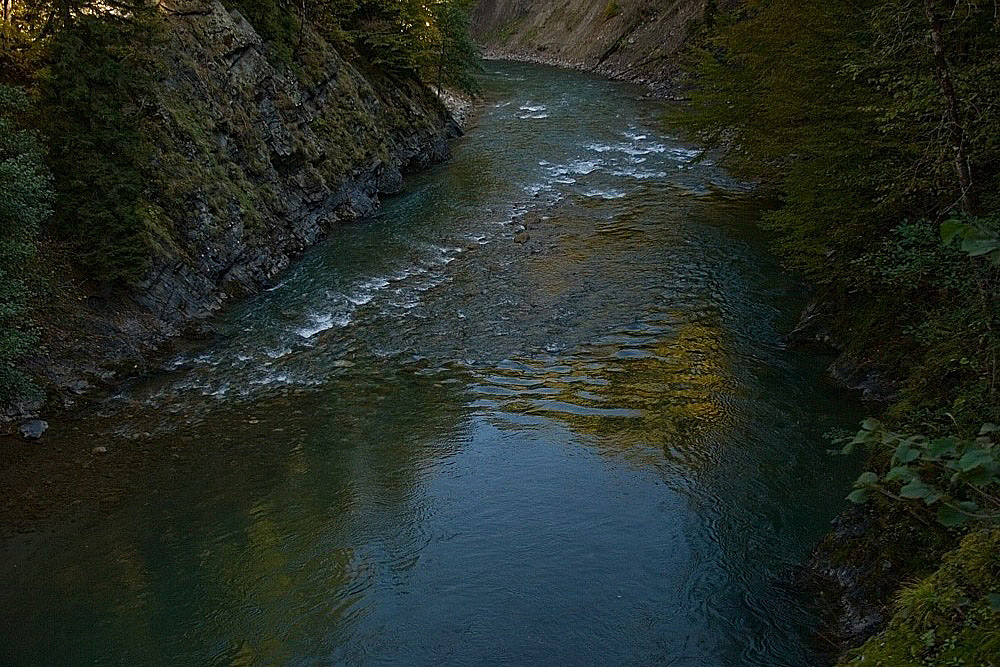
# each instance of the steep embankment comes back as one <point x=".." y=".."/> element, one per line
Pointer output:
<point x="253" y="160"/>
<point x="634" y="40"/>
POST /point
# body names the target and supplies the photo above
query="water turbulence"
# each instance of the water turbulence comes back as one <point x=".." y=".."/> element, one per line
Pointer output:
<point x="432" y="443"/>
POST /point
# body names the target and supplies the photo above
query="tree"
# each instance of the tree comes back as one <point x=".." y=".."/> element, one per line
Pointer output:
<point x="25" y="202"/>
<point x="872" y="122"/>
<point x="93" y="100"/>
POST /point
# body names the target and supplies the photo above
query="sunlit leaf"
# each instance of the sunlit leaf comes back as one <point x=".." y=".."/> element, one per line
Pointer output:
<point x="950" y="229"/>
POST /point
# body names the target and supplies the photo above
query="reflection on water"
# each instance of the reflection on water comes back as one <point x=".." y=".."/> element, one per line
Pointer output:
<point x="431" y="444"/>
<point x="639" y="391"/>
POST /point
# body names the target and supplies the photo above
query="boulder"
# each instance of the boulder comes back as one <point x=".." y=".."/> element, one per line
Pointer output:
<point x="33" y="429"/>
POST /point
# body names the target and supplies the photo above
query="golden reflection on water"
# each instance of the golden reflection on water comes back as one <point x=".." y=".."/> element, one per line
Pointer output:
<point x="634" y="399"/>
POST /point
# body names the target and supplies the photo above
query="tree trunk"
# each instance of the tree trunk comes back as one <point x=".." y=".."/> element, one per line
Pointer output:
<point x="956" y="130"/>
<point x="440" y="68"/>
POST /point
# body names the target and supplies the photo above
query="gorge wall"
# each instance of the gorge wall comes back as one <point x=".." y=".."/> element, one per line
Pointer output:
<point x="254" y="160"/>
<point x="633" y="40"/>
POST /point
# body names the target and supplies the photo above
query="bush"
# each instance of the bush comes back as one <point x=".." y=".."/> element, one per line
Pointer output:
<point x="25" y="202"/>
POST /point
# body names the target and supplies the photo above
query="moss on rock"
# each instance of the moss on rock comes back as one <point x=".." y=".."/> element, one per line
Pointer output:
<point x="947" y="619"/>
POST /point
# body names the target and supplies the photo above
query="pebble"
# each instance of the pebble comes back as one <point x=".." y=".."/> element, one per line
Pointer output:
<point x="33" y="428"/>
<point x="522" y="237"/>
<point x="99" y="450"/>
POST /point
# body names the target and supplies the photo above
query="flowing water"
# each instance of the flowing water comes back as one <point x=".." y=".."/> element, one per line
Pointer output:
<point x="431" y="444"/>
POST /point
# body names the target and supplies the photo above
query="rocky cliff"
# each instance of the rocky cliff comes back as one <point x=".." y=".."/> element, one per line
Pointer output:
<point x="635" y="40"/>
<point x="254" y="160"/>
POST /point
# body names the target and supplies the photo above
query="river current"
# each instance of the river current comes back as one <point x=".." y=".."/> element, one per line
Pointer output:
<point x="432" y="444"/>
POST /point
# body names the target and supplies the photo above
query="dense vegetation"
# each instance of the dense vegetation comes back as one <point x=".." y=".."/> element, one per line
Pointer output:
<point x="24" y="204"/>
<point x="79" y="83"/>
<point x="878" y="126"/>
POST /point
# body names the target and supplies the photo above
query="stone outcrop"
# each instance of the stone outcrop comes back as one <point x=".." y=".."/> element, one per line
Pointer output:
<point x="255" y="159"/>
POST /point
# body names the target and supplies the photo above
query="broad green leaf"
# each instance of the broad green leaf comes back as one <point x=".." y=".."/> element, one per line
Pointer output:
<point x="858" y="496"/>
<point x="940" y="447"/>
<point x="989" y="428"/>
<point x="950" y="229"/>
<point x="863" y="437"/>
<point x="994" y="599"/>
<point x="900" y="474"/>
<point x="951" y="517"/>
<point x="975" y="458"/>
<point x="905" y="453"/>
<point x="917" y="489"/>
<point x="979" y="477"/>
<point x="979" y="247"/>
<point x="866" y="479"/>
<point x="871" y="424"/>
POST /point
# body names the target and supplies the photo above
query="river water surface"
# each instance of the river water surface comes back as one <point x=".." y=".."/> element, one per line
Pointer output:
<point x="430" y="444"/>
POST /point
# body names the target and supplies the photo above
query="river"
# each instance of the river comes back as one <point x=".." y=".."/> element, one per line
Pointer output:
<point x="433" y="444"/>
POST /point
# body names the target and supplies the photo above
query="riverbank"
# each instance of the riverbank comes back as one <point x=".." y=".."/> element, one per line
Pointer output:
<point x="874" y="554"/>
<point x="625" y="40"/>
<point x="255" y="161"/>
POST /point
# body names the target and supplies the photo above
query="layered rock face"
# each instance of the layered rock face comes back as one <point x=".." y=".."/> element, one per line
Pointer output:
<point x="259" y="160"/>
<point x="634" y="40"/>
<point x="255" y="159"/>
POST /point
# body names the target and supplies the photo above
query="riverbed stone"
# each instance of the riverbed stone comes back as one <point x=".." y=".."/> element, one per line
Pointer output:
<point x="33" y="429"/>
<point x="522" y="237"/>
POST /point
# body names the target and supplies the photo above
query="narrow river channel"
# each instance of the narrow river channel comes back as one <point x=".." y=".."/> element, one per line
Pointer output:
<point x="431" y="444"/>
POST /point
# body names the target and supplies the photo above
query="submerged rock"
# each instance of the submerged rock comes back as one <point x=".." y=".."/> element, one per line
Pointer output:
<point x="522" y="237"/>
<point x="33" y="429"/>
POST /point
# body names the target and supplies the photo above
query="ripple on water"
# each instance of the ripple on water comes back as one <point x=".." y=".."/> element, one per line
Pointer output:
<point x="430" y="444"/>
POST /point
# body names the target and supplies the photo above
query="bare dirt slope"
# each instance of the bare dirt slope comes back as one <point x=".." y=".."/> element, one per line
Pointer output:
<point x="636" y="40"/>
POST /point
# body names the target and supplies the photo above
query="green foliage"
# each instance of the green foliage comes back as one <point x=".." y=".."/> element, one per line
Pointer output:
<point x="430" y="39"/>
<point x="937" y="319"/>
<point x="457" y="54"/>
<point x="948" y="619"/>
<point x="867" y="136"/>
<point x="958" y="479"/>
<point x="977" y="239"/>
<point x="93" y="98"/>
<point x="25" y="201"/>
<point x="275" y="22"/>
<point x="421" y="38"/>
